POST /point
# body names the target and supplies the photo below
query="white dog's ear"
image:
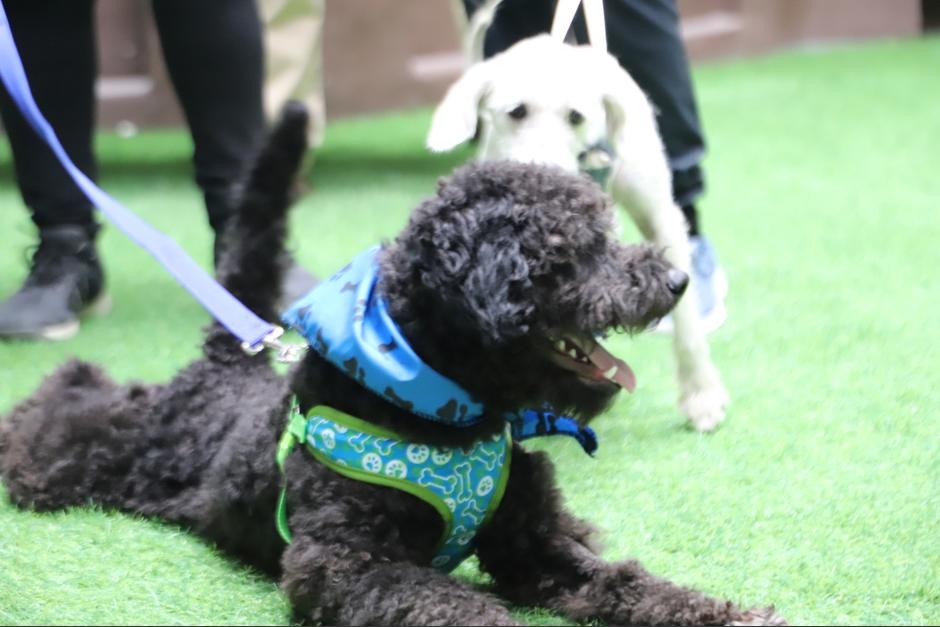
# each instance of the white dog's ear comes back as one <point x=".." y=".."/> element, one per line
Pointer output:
<point x="455" y="120"/>
<point x="616" y="111"/>
<point x="624" y="101"/>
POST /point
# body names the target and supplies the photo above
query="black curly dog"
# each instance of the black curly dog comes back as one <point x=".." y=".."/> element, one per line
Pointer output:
<point x="504" y="257"/>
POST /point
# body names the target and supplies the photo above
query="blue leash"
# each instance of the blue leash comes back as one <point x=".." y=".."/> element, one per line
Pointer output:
<point x="232" y="314"/>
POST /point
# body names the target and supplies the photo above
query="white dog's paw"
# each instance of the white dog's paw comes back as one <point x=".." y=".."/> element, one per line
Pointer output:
<point x="704" y="405"/>
<point x="760" y="616"/>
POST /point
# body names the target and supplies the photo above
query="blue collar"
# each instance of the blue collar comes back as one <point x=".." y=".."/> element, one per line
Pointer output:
<point x="345" y="319"/>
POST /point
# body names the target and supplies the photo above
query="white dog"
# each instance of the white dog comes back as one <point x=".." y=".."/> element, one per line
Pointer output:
<point x="546" y="101"/>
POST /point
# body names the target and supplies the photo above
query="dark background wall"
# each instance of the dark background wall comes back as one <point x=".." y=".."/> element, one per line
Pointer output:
<point x="382" y="54"/>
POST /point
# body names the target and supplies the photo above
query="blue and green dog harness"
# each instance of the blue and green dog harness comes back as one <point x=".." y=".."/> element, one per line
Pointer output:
<point x="465" y="486"/>
<point x="346" y="320"/>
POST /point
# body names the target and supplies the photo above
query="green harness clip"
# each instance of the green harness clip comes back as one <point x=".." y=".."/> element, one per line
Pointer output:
<point x="295" y="433"/>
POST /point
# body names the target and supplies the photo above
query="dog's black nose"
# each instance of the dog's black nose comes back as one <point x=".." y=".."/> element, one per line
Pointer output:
<point x="677" y="281"/>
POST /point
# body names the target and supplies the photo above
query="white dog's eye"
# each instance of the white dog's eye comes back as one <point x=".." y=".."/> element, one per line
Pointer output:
<point x="519" y="112"/>
<point x="575" y="117"/>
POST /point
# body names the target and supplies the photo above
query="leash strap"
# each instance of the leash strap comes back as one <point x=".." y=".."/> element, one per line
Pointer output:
<point x="232" y="314"/>
<point x="593" y="15"/>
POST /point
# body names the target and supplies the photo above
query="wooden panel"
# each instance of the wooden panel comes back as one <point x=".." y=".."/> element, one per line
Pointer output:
<point x="698" y="8"/>
<point x="133" y="87"/>
<point x="770" y="24"/>
<point x="711" y="28"/>
<point x="122" y="27"/>
<point x="388" y="53"/>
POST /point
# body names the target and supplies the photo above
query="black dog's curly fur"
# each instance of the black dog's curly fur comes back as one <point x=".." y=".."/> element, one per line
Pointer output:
<point x="503" y="258"/>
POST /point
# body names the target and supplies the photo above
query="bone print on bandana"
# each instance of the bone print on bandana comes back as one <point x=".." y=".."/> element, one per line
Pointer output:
<point x="345" y="319"/>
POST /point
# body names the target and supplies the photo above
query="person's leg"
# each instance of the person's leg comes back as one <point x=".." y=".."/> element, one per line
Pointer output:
<point x="65" y="276"/>
<point x="645" y="37"/>
<point x="215" y="57"/>
<point x="62" y="80"/>
<point x="213" y="52"/>
<point x="293" y="49"/>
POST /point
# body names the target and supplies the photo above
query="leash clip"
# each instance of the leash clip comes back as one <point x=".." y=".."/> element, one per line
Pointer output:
<point x="286" y="353"/>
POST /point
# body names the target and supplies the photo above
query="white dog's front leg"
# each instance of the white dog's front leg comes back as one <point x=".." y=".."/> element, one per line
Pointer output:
<point x="644" y="189"/>
<point x="702" y="397"/>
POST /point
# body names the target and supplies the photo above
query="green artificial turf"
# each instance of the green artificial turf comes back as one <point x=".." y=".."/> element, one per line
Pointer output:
<point x="821" y="493"/>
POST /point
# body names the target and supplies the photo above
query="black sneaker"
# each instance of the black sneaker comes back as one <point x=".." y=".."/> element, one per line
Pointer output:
<point x="65" y="280"/>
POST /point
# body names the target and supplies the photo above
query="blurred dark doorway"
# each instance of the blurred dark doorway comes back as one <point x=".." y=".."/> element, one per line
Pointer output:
<point x="931" y="12"/>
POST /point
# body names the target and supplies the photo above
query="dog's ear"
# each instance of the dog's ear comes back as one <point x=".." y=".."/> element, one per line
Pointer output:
<point x="455" y="120"/>
<point x="482" y="284"/>
<point x="624" y="101"/>
<point x="497" y="293"/>
<point x="616" y="114"/>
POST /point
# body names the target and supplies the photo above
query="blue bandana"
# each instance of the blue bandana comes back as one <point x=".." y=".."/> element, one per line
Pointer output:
<point x="345" y="319"/>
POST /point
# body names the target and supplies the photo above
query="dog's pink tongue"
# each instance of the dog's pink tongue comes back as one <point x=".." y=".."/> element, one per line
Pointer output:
<point x="604" y="362"/>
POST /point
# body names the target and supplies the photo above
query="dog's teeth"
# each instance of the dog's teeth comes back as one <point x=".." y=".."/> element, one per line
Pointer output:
<point x="610" y="373"/>
<point x="573" y="353"/>
<point x="560" y="346"/>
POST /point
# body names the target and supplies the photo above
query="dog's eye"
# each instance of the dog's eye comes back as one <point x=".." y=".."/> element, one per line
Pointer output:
<point x="575" y="117"/>
<point x="519" y="112"/>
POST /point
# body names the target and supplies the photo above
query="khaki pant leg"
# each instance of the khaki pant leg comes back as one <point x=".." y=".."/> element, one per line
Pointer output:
<point x="293" y="41"/>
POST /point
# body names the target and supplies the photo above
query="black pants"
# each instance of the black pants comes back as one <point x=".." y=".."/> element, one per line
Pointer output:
<point x="644" y="36"/>
<point x="213" y="51"/>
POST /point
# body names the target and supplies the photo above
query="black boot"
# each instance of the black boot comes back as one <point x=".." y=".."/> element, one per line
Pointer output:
<point x="65" y="280"/>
